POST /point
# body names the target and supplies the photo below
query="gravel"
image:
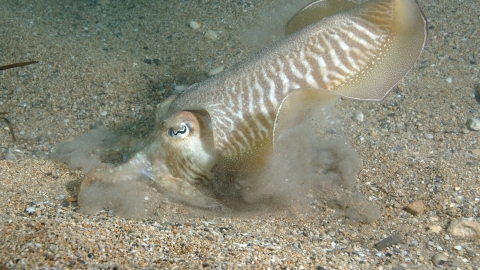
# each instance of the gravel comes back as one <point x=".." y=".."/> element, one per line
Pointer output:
<point x="93" y="73"/>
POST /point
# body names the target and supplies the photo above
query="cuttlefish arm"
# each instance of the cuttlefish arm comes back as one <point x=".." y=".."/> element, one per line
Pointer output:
<point x="230" y="121"/>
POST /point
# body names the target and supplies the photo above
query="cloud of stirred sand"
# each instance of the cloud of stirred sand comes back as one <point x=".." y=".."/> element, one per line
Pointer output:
<point x="313" y="165"/>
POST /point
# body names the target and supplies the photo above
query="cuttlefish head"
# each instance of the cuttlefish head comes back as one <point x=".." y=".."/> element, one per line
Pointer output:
<point x="179" y="157"/>
<point x="187" y="142"/>
<point x="176" y="158"/>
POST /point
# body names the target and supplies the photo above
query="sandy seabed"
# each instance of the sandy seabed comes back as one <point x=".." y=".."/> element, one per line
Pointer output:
<point x="108" y="64"/>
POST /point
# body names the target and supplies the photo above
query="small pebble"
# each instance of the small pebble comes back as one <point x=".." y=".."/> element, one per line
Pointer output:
<point x="359" y="117"/>
<point x="397" y="205"/>
<point x="415" y="208"/>
<point x="179" y="89"/>
<point x="435" y="228"/>
<point x="30" y="210"/>
<point x="216" y="70"/>
<point x="71" y="199"/>
<point x="473" y="124"/>
<point x="389" y="241"/>
<point x="194" y="25"/>
<point x="211" y="35"/>
<point x="103" y="113"/>
<point x="476" y="92"/>
<point x="464" y="228"/>
<point x="439" y="259"/>
<point x="476" y="152"/>
<point x="428" y="136"/>
<point x="398" y="148"/>
<point x="449" y="80"/>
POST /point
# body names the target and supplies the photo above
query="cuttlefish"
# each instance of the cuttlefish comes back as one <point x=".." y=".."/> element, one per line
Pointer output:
<point x="231" y="122"/>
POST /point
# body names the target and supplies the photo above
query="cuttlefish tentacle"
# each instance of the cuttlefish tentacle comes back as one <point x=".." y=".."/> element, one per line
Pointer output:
<point x="231" y="120"/>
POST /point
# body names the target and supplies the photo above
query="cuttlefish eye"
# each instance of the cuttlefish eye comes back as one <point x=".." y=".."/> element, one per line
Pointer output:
<point x="179" y="132"/>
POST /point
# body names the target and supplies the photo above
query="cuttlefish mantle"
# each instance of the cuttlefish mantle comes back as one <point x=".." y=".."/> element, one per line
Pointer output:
<point x="230" y="122"/>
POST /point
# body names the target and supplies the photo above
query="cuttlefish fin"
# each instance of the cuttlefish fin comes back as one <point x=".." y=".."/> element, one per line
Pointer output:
<point x="314" y="12"/>
<point x="298" y="105"/>
<point x="405" y="40"/>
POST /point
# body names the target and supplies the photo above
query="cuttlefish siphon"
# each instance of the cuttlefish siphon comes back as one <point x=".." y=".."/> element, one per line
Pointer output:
<point x="229" y="123"/>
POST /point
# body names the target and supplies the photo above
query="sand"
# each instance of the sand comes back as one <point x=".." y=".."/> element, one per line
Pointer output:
<point x="108" y="64"/>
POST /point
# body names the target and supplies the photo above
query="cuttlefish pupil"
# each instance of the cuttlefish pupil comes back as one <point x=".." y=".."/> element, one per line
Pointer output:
<point x="180" y="133"/>
<point x="230" y="123"/>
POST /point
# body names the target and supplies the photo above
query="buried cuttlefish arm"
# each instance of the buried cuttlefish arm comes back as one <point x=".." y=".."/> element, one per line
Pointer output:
<point x="230" y="122"/>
